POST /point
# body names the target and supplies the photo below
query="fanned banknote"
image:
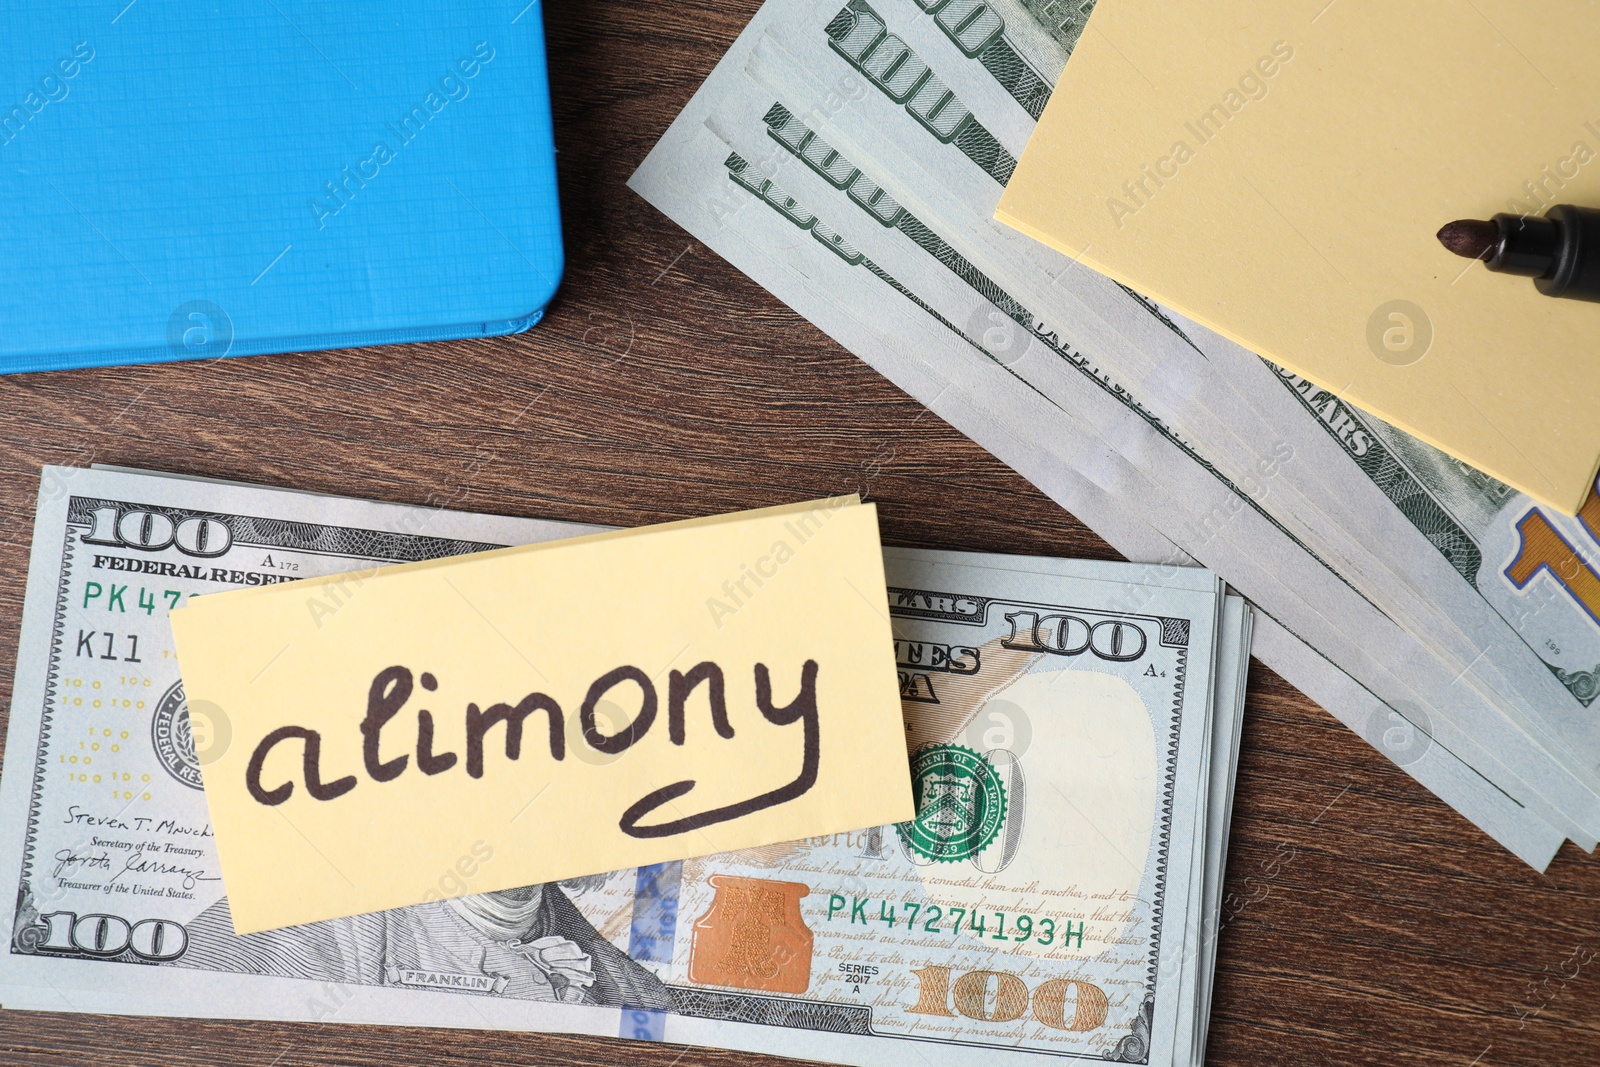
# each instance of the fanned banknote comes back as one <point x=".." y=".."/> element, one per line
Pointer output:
<point x="848" y="155"/>
<point x="1073" y="728"/>
<point x="1390" y="537"/>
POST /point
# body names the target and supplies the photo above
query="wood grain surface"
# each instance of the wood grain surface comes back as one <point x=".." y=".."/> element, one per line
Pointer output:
<point x="1365" y="922"/>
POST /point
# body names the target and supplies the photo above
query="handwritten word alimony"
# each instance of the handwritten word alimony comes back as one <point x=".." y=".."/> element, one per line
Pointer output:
<point x="393" y="687"/>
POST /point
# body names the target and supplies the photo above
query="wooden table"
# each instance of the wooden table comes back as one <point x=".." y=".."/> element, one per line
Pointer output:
<point x="1365" y="922"/>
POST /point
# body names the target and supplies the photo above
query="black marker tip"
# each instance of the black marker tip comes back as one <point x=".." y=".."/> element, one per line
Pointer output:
<point x="1470" y="238"/>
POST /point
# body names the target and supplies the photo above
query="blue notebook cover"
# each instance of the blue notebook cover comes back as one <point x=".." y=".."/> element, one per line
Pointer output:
<point x="185" y="179"/>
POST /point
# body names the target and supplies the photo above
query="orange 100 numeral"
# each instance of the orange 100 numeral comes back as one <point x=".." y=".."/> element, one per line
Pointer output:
<point x="1544" y="549"/>
<point x="1002" y="997"/>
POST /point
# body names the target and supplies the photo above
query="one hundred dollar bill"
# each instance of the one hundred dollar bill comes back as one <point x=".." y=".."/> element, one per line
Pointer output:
<point x="877" y="261"/>
<point x="1073" y="729"/>
<point x="1524" y="632"/>
<point x="1398" y="520"/>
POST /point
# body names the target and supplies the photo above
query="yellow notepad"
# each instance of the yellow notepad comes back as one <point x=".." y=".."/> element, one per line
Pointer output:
<point x="569" y="708"/>
<point x="1277" y="171"/>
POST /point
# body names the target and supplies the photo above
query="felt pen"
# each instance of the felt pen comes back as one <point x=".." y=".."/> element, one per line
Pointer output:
<point x="1560" y="252"/>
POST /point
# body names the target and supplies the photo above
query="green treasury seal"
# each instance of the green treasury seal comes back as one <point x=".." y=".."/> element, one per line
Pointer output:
<point x="961" y="803"/>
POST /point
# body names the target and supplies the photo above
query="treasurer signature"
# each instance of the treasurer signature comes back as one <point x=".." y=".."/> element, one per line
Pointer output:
<point x="72" y="864"/>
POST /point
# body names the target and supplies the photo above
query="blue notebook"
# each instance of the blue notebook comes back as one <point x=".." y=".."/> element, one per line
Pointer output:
<point x="183" y="179"/>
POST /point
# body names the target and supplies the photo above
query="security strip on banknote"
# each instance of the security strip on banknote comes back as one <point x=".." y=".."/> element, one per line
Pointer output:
<point x="1073" y="729"/>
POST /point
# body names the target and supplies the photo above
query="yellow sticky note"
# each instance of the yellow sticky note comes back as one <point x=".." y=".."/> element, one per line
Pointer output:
<point x="568" y="708"/>
<point x="1277" y="171"/>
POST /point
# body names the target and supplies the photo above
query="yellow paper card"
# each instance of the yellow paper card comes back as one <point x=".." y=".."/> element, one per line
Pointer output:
<point x="1277" y="171"/>
<point x="578" y="707"/>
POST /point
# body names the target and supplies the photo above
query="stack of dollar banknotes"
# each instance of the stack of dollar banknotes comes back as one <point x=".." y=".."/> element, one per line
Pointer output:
<point x="1073" y="730"/>
<point x="848" y="155"/>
